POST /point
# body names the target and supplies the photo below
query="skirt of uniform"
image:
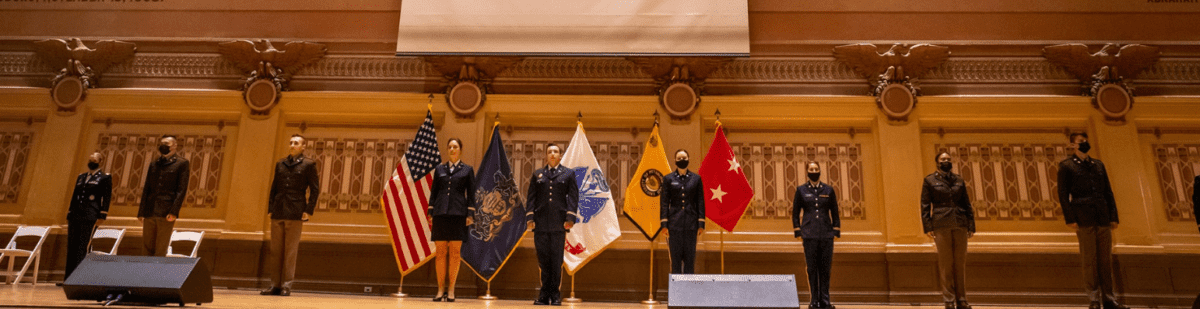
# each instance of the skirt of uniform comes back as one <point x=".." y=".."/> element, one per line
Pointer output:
<point x="449" y="228"/>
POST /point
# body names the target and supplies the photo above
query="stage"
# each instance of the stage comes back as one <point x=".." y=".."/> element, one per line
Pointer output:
<point x="50" y="296"/>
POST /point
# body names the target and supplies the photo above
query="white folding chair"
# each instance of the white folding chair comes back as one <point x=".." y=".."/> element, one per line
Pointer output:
<point x="114" y="234"/>
<point x="185" y="236"/>
<point x="33" y="256"/>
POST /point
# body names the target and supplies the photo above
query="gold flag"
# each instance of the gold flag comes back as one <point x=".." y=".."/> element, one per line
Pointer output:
<point x="641" y="196"/>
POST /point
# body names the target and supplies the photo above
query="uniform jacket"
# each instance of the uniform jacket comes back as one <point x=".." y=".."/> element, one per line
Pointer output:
<point x="553" y="199"/>
<point x="453" y="193"/>
<point x="1085" y="193"/>
<point x="1196" y="199"/>
<point x="681" y="202"/>
<point x="294" y="176"/>
<point x="89" y="201"/>
<point x="945" y="203"/>
<point x="820" y="207"/>
<point x="166" y="187"/>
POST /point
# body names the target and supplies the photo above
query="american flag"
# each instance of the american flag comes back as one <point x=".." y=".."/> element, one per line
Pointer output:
<point x="407" y="197"/>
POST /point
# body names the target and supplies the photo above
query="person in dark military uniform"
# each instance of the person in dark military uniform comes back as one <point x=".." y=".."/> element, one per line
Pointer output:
<point x="1088" y="206"/>
<point x="451" y="205"/>
<point x="681" y="209"/>
<point x="89" y="208"/>
<point x="947" y="216"/>
<point x="1196" y="204"/>
<point x="552" y="203"/>
<point x="162" y="196"/>
<point x="815" y="219"/>
<point x="294" y="192"/>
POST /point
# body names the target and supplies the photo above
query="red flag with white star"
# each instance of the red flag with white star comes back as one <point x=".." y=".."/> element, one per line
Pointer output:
<point x="727" y="193"/>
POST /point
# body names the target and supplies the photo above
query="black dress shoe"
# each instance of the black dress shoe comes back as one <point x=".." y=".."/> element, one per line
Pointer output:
<point x="556" y="302"/>
<point x="541" y="302"/>
<point x="439" y="297"/>
<point x="270" y="291"/>
<point x="58" y="284"/>
<point x="963" y="305"/>
<point x="449" y="299"/>
<point x="285" y="292"/>
<point x="1112" y="304"/>
<point x="1095" y="305"/>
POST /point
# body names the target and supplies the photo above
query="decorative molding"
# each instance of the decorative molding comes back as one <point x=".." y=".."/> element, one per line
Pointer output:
<point x="604" y="68"/>
<point x="967" y="70"/>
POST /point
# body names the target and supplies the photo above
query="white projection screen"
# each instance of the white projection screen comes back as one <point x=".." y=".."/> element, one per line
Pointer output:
<point x="574" y="28"/>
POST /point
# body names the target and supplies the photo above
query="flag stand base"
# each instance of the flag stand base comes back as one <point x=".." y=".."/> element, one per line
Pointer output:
<point x="400" y="290"/>
<point x="572" y="299"/>
<point x="488" y="295"/>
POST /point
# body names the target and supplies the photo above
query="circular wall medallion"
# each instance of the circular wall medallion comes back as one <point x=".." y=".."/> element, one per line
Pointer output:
<point x="680" y="100"/>
<point x="465" y="98"/>
<point x="897" y="101"/>
<point x="261" y="95"/>
<point x="68" y="92"/>
<point x="1113" y="101"/>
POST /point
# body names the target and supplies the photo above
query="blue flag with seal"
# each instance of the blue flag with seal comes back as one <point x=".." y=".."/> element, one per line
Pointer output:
<point x="499" y="221"/>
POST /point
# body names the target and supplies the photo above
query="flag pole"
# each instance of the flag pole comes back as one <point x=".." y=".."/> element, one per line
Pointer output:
<point x="651" y="300"/>
<point x="572" y="299"/>
<point x="488" y="295"/>
<point x="400" y="291"/>
<point x="718" y="115"/>
<point x="722" y="251"/>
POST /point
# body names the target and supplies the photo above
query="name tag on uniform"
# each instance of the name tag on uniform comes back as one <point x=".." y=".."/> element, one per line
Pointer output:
<point x="824" y="195"/>
<point x="808" y="195"/>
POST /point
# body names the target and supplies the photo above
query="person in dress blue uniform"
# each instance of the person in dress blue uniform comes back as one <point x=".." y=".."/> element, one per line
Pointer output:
<point x="815" y="219"/>
<point x="947" y="217"/>
<point x="451" y="205"/>
<point x="89" y="208"/>
<point x="681" y="209"/>
<point x="552" y="204"/>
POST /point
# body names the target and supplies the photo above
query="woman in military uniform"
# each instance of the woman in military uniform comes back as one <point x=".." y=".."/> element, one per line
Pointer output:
<point x="815" y="219"/>
<point x="947" y="216"/>
<point x="451" y="204"/>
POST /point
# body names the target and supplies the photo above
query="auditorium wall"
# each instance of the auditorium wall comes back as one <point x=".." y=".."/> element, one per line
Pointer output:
<point x="1006" y="147"/>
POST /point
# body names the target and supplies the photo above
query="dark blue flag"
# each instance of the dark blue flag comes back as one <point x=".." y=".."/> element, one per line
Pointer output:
<point x="499" y="221"/>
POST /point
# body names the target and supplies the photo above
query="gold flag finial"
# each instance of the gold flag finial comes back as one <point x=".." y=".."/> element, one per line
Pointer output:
<point x="656" y="117"/>
<point x="430" y="104"/>
<point x="718" y="114"/>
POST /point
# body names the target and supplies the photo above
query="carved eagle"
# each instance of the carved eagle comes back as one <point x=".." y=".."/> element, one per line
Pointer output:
<point x="485" y="66"/>
<point x="869" y="63"/>
<point x="663" y="67"/>
<point x="1127" y="61"/>
<point x="74" y="55"/>
<point x="249" y="57"/>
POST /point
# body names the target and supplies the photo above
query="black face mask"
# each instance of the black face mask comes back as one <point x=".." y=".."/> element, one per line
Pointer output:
<point x="814" y="177"/>
<point x="93" y="165"/>
<point x="1084" y="147"/>
<point x="681" y="163"/>
<point x="945" y="166"/>
<point x="164" y="149"/>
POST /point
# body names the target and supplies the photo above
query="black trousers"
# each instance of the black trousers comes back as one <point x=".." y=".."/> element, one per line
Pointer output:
<point x="818" y="254"/>
<point x="549" y="246"/>
<point x="682" y="244"/>
<point x="79" y="233"/>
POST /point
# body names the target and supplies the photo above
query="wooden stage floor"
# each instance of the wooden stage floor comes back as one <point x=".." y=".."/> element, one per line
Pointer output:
<point x="47" y="295"/>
